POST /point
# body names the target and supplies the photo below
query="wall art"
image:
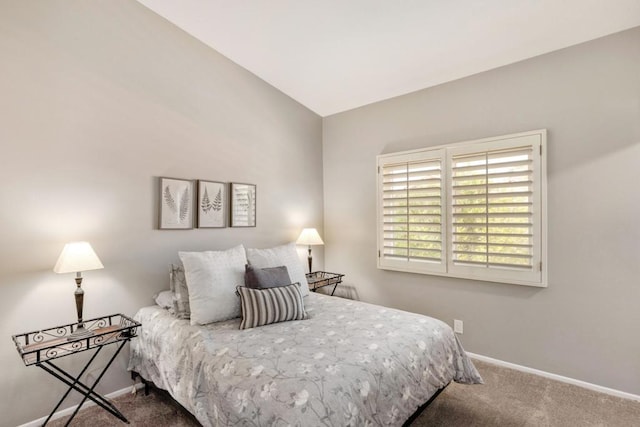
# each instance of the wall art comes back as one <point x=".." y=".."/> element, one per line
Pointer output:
<point x="176" y="204"/>
<point x="243" y="205"/>
<point x="212" y="204"/>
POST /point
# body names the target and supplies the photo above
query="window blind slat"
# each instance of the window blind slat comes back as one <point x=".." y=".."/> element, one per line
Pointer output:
<point x="493" y="185"/>
<point x="455" y="233"/>
<point x="495" y="264"/>
<point x="494" y="195"/>
<point x="492" y="214"/>
<point x="511" y="255"/>
<point x="461" y="167"/>
<point x="482" y="173"/>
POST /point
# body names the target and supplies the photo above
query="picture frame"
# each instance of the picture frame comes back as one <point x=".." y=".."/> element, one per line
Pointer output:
<point x="212" y="204"/>
<point x="176" y="204"/>
<point x="243" y="204"/>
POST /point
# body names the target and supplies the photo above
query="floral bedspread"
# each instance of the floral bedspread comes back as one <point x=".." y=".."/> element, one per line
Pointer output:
<point x="350" y="363"/>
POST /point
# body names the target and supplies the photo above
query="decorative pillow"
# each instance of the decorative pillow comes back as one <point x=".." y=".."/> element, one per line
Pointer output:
<point x="165" y="300"/>
<point x="286" y="255"/>
<point x="212" y="277"/>
<point x="271" y="305"/>
<point x="178" y="285"/>
<point x="260" y="278"/>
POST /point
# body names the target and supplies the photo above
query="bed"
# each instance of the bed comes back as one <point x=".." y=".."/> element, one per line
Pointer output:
<point x="348" y="363"/>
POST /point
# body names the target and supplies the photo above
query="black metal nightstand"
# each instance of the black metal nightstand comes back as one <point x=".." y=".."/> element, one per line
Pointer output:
<point x="40" y="348"/>
<point x="320" y="279"/>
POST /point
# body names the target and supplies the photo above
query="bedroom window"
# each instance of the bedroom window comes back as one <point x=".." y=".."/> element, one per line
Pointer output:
<point x="472" y="210"/>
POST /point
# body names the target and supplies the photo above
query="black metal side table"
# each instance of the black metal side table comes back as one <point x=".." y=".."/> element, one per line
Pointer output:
<point x="40" y="348"/>
<point x="320" y="279"/>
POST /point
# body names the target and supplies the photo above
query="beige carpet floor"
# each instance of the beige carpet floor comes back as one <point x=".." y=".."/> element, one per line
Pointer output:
<point x="508" y="398"/>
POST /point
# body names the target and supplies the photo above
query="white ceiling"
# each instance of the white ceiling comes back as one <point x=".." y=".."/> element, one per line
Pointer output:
<point x="335" y="55"/>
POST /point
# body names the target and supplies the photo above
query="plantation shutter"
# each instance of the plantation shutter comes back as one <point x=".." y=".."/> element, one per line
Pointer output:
<point x="495" y="210"/>
<point x="411" y="199"/>
<point x="473" y="210"/>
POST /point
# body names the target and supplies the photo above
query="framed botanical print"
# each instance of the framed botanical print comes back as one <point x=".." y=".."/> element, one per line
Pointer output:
<point x="243" y="205"/>
<point x="176" y="204"/>
<point x="212" y="204"/>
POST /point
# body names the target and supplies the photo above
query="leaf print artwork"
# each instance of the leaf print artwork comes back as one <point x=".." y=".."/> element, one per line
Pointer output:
<point x="176" y="197"/>
<point x="211" y="204"/>
<point x="243" y="205"/>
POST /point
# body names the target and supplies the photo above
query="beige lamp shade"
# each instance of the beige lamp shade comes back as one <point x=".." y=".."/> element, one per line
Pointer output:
<point x="76" y="257"/>
<point x="309" y="236"/>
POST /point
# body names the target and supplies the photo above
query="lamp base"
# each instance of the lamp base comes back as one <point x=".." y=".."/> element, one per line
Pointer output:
<point x="79" y="333"/>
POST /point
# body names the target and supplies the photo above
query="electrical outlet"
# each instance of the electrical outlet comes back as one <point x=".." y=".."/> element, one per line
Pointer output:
<point x="458" y="326"/>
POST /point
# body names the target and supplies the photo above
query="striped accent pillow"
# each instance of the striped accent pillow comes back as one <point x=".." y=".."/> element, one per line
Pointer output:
<point x="270" y="305"/>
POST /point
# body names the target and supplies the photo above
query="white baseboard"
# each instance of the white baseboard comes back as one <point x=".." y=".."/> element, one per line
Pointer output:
<point x="87" y="404"/>
<point x="579" y="383"/>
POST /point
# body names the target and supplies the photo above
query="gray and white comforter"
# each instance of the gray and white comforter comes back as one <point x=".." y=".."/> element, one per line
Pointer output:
<point x="350" y="363"/>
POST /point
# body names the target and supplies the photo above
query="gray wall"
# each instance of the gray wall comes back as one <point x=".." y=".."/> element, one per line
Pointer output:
<point x="585" y="324"/>
<point x="97" y="98"/>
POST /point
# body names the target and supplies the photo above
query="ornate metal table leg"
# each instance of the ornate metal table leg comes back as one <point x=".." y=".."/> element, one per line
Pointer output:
<point x="71" y="386"/>
<point x="87" y="392"/>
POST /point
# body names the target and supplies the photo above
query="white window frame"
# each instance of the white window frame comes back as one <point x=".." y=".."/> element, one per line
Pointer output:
<point x="538" y="275"/>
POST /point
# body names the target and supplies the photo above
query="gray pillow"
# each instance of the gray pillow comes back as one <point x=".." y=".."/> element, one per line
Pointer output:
<point x="281" y="255"/>
<point x="178" y="285"/>
<point x="262" y="278"/>
<point x="266" y="306"/>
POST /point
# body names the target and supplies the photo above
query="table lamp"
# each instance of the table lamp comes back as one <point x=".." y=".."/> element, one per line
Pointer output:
<point x="309" y="236"/>
<point x="78" y="257"/>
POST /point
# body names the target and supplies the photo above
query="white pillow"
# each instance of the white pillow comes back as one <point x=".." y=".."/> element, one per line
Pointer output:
<point x="286" y="255"/>
<point x="165" y="300"/>
<point x="212" y="277"/>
